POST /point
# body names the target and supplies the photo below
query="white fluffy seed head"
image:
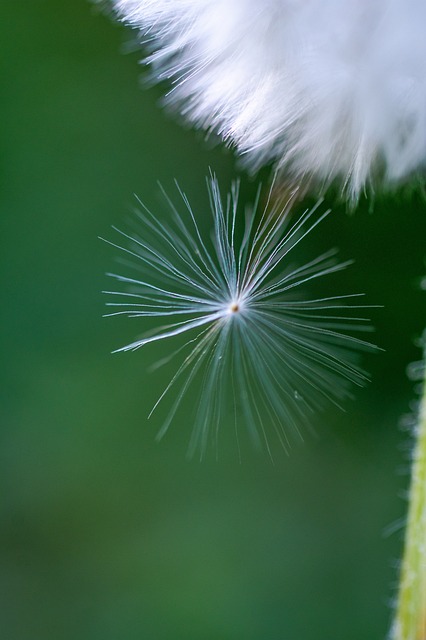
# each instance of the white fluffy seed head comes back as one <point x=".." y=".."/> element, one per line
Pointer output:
<point x="324" y="89"/>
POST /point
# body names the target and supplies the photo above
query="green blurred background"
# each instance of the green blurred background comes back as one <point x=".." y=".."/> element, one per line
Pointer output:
<point x="106" y="534"/>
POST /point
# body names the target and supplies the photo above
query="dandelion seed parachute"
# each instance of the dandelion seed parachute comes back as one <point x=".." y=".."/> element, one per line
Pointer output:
<point x="326" y="89"/>
<point x="255" y="351"/>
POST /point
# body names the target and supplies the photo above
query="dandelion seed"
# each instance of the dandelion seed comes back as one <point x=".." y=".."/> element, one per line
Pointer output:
<point x="328" y="90"/>
<point x="256" y="351"/>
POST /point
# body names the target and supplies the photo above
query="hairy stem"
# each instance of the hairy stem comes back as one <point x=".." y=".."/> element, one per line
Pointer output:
<point x="410" y="619"/>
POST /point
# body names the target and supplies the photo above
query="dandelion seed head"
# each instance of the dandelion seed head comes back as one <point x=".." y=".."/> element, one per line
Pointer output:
<point x="249" y="347"/>
<point x="326" y="90"/>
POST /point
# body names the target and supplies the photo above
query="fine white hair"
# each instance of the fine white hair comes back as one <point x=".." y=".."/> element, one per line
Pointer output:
<point x="326" y="90"/>
<point x="262" y="352"/>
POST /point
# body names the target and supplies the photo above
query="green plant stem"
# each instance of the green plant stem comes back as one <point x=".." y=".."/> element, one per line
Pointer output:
<point x="410" y="618"/>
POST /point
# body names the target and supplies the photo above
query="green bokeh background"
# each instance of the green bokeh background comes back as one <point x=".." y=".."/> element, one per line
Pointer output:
<point x="106" y="534"/>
